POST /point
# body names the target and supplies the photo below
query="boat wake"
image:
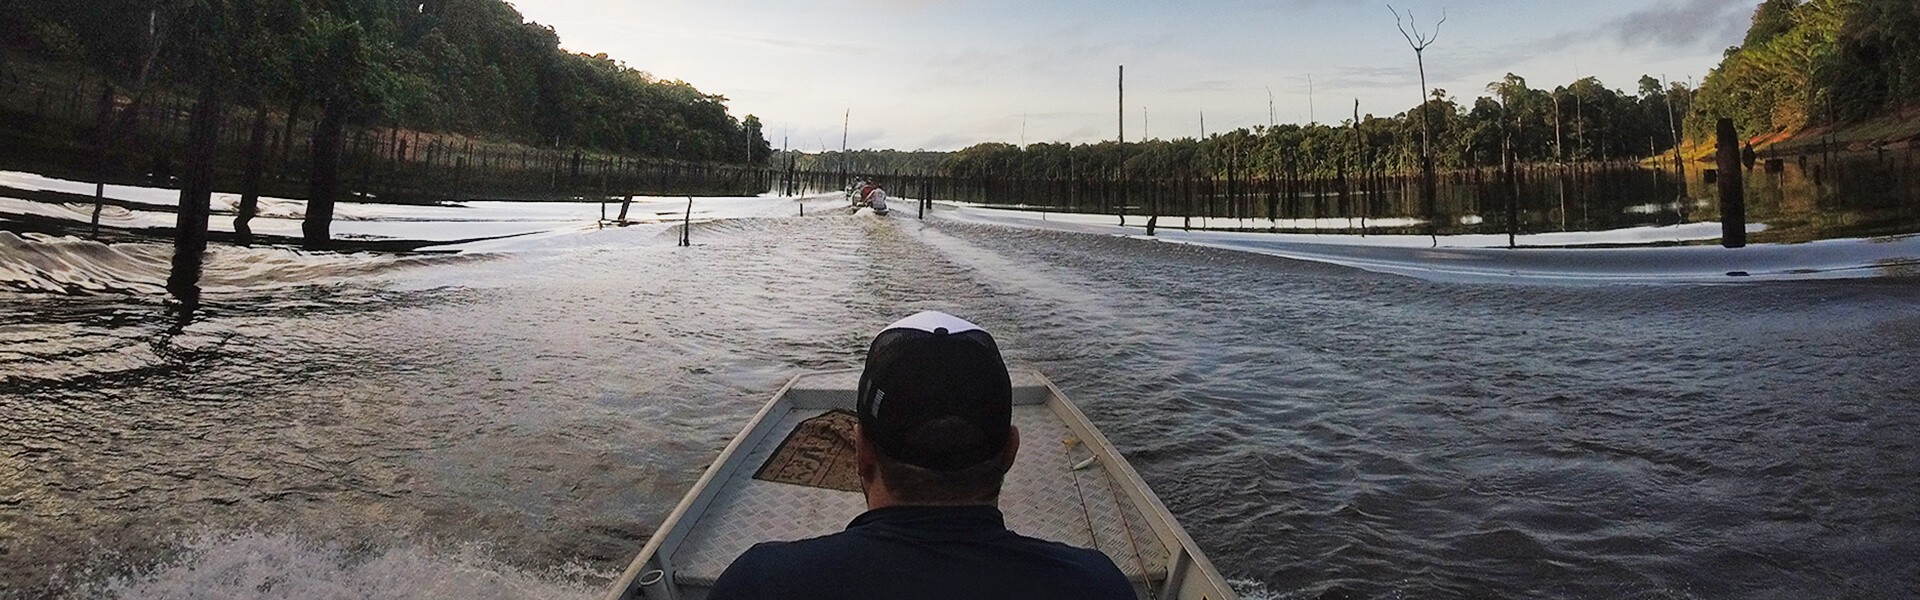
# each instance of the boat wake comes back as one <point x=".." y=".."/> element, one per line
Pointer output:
<point x="254" y="564"/>
<point x="67" y="265"/>
<point x="266" y="565"/>
<point x="1638" y="255"/>
<point x="48" y="244"/>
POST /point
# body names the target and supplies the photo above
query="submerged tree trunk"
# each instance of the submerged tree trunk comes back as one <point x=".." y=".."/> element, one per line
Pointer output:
<point x="323" y="185"/>
<point x="196" y="196"/>
<point x="250" y="180"/>
<point x="99" y="144"/>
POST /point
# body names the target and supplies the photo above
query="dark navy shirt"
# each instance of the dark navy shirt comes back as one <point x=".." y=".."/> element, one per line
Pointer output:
<point x="922" y="552"/>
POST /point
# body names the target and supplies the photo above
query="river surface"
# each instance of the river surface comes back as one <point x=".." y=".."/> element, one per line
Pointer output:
<point x="512" y="424"/>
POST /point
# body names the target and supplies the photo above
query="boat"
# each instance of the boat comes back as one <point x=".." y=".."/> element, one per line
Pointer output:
<point x="1067" y="484"/>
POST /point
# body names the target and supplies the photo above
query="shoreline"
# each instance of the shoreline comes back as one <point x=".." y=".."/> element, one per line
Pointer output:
<point x="1899" y="130"/>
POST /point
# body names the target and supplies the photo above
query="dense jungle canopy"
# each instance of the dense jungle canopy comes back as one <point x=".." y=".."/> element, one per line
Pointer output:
<point x="473" y="67"/>
<point x="1815" y="62"/>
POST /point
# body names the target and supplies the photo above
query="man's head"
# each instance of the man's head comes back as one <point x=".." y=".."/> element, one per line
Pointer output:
<point x="936" y="413"/>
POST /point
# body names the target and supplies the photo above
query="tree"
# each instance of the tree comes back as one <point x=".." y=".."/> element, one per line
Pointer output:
<point x="1419" y="43"/>
<point x="758" y="148"/>
<point x="209" y="46"/>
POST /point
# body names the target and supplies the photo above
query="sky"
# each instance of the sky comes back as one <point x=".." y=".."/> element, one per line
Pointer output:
<point x="946" y="74"/>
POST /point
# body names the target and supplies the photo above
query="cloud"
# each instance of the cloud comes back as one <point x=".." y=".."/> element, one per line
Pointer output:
<point x="944" y="141"/>
<point x="1672" y="28"/>
<point x="1212" y="85"/>
<point x="824" y="47"/>
<point x="1085" y="134"/>
<point x="1684" y="24"/>
<point x="1681" y="24"/>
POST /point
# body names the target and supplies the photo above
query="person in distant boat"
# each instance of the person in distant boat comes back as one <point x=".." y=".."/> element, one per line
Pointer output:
<point x="877" y="198"/>
<point x="857" y="191"/>
<point x="934" y="442"/>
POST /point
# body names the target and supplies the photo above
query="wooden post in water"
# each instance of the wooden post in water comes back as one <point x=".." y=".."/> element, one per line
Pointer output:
<point x="624" y="205"/>
<point x="1733" y="203"/>
<point x="1510" y="189"/>
<point x="99" y="198"/>
<point x="686" y="226"/>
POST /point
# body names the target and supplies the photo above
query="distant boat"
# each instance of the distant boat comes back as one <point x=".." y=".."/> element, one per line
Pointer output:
<point x="1067" y="485"/>
<point x="863" y="194"/>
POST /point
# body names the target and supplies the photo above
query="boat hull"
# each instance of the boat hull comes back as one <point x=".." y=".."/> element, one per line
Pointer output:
<point x="1067" y="485"/>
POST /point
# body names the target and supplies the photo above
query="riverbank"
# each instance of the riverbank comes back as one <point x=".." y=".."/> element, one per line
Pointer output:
<point x="75" y="126"/>
<point x="1896" y="131"/>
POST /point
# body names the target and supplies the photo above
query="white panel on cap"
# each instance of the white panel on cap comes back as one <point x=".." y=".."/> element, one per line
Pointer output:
<point x="932" y="319"/>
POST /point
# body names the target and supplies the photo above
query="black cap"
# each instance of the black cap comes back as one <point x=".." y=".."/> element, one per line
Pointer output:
<point x="920" y="371"/>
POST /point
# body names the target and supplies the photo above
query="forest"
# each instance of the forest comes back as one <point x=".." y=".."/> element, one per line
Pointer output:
<point x="467" y="66"/>
<point x="1581" y="121"/>
<point x="343" y="96"/>
<point x="1815" y="62"/>
<point x="1802" y="63"/>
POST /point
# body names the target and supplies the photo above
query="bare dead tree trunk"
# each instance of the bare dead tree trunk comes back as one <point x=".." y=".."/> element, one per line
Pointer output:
<point x="1679" y="163"/>
<point x="196" y="196"/>
<point x="1733" y="204"/>
<point x="250" y="180"/>
<point x="1428" y="189"/>
<point x="323" y="185"/>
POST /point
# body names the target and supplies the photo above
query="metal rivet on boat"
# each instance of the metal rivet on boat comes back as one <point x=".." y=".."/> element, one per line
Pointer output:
<point x="652" y="577"/>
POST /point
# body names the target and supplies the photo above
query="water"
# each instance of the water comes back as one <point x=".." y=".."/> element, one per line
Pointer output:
<point x="1795" y="199"/>
<point x="513" y="423"/>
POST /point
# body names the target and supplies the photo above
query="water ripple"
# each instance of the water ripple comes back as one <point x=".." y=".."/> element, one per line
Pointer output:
<point x="1322" y="432"/>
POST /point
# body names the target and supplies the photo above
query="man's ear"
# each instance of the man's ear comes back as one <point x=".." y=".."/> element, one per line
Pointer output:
<point x="1012" y="450"/>
<point x="863" y="459"/>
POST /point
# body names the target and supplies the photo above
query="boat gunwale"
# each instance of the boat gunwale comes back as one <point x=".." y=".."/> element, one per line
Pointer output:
<point x="703" y="491"/>
<point x="1185" y="559"/>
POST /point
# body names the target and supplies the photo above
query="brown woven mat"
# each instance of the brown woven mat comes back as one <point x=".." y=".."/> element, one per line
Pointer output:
<point x="818" y="453"/>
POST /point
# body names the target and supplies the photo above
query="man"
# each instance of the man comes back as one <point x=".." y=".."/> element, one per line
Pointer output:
<point x="934" y="441"/>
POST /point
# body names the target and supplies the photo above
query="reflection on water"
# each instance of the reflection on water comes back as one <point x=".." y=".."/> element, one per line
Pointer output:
<point x="1795" y="199"/>
<point x="1798" y="199"/>
<point x="1819" y="196"/>
<point x="526" y="419"/>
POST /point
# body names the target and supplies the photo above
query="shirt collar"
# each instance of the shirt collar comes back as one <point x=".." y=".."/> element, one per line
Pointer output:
<point x="977" y="517"/>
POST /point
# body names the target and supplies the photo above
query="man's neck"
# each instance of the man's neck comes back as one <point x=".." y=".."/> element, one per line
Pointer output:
<point x="878" y="497"/>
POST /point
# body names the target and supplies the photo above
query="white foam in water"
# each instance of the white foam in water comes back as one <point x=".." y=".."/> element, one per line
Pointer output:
<point x="35" y="262"/>
<point x="255" y="565"/>
<point x="1252" y="589"/>
<point x="67" y="265"/>
<point x="512" y="227"/>
<point x="443" y="221"/>
<point x="1541" y="257"/>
